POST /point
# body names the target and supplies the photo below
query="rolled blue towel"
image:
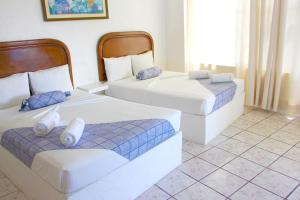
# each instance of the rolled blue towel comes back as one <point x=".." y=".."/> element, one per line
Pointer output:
<point x="43" y="100"/>
<point x="148" y="73"/>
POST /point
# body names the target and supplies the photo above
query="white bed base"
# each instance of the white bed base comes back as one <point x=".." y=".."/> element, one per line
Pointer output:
<point x="125" y="183"/>
<point x="202" y="129"/>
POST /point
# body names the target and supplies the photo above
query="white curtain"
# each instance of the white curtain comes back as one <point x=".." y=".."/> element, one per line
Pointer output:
<point x="256" y="39"/>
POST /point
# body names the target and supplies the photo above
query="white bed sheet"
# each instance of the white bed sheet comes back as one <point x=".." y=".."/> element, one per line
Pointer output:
<point x="63" y="174"/>
<point x="171" y="90"/>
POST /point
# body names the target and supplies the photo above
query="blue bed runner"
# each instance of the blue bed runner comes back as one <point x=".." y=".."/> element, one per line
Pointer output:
<point x="130" y="139"/>
<point x="224" y="92"/>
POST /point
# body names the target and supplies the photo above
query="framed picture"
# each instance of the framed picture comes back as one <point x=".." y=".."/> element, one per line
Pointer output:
<point x="74" y="9"/>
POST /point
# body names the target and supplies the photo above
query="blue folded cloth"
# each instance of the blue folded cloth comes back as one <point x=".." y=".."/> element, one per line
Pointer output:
<point x="148" y="73"/>
<point x="43" y="100"/>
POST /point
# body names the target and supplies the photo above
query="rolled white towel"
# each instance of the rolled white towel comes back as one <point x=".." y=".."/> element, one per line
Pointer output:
<point x="220" y="78"/>
<point x="46" y="123"/>
<point x="73" y="132"/>
<point x="199" y="74"/>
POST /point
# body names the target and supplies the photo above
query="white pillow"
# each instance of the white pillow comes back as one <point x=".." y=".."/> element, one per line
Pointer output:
<point x="142" y="61"/>
<point x="56" y="78"/>
<point x="118" y="68"/>
<point x="14" y="89"/>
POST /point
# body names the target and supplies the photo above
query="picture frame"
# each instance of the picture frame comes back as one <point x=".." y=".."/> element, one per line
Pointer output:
<point x="57" y="10"/>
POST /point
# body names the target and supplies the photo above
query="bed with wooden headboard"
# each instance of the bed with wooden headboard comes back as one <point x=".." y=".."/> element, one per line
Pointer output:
<point x="63" y="174"/>
<point x="33" y="55"/>
<point x="171" y="89"/>
<point x="119" y="44"/>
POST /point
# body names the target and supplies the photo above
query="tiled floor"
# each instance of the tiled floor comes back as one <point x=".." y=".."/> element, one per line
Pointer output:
<point x="256" y="158"/>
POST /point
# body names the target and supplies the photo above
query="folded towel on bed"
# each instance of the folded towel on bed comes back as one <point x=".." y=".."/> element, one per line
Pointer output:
<point x="221" y="78"/>
<point x="199" y="74"/>
<point x="73" y="132"/>
<point x="148" y="73"/>
<point x="46" y="123"/>
<point x="43" y="100"/>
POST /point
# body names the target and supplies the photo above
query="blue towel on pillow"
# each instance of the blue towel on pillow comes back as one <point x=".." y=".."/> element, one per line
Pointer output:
<point x="43" y="100"/>
<point x="148" y="73"/>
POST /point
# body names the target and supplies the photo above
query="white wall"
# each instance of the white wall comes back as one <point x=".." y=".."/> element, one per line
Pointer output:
<point x="23" y="19"/>
<point x="175" y="36"/>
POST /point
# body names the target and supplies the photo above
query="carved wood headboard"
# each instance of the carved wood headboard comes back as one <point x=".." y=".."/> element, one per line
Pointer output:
<point x="119" y="44"/>
<point x="33" y="55"/>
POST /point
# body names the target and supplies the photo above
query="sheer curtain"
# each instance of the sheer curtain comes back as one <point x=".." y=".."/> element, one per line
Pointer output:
<point x="255" y="39"/>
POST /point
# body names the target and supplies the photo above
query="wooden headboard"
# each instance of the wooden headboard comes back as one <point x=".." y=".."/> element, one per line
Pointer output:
<point x="119" y="44"/>
<point x="33" y="55"/>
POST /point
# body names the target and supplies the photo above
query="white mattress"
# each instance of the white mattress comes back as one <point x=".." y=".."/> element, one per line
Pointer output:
<point x="171" y="90"/>
<point x="70" y="170"/>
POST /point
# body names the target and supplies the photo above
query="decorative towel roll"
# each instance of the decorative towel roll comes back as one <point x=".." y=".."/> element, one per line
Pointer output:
<point x="43" y="100"/>
<point x="148" y="73"/>
<point x="72" y="133"/>
<point x="46" y="123"/>
<point x="221" y="78"/>
<point x="199" y="74"/>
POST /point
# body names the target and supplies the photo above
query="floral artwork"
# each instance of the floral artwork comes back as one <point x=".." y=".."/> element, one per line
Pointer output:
<point x="75" y="9"/>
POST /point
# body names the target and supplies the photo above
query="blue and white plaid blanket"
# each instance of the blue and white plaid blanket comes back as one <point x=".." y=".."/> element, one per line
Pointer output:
<point x="224" y="92"/>
<point x="130" y="139"/>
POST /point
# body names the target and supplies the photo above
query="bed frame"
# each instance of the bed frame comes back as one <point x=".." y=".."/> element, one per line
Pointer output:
<point x="126" y="182"/>
<point x="197" y="128"/>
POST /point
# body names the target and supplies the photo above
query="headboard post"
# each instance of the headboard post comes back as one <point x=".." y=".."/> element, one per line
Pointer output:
<point x="33" y="55"/>
<point x="117" y="44"/>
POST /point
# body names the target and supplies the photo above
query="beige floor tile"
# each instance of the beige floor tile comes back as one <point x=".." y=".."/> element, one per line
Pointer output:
<point x="217" y="156"/>
<point x="175" y="182"/>
<point x="234" y="146"/>
<point x="243" y="168"/>
<point x="6" y="187"/>
<point x="223" y="182"/>
<point x="295" y="195"/>
<point x="298" y="145"/>
<point x="186" y="156"/>
<point x="231" y="131"/>
<point x="15" y="196"/>
<point x="218" y="140"/>
<point x="252" y="192"/>
<point x="272" y="123"/>
<point x="260" y="156"/>
<point x="296" y="121"/>
<point x="242" y="124"/>
<point x="264" y="113"/>
<point x="154" y="193"/>
<point x="274" y="146"/>
<point x="275" y="182"/>
<point x="194" y="148"/>
<point x="262" y="130"/>
<point x="286" y="137"/>
<point x="292" y="128"/>
<point x="2" y="175"/>
<point x="199" y="191"/>
<point x="253" y="117"/>
<point x="280" y="117"/>
<point x="249" y="138"/>
<point x="288" y="167"/>
<point x="293" y="154"/>
<point x="197" y="168"/>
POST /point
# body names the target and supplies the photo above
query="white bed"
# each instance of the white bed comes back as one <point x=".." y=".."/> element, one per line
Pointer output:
<point x="91" y="174"/>
<point x="171" y="89"/>
<point x="175" y="90"/>
<point x="77" y="174"/>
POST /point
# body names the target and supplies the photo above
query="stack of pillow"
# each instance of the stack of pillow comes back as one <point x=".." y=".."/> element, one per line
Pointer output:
<point x="214" y="78"/>
<point x="15" y="88"/>
<point x="141" y="66"/>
